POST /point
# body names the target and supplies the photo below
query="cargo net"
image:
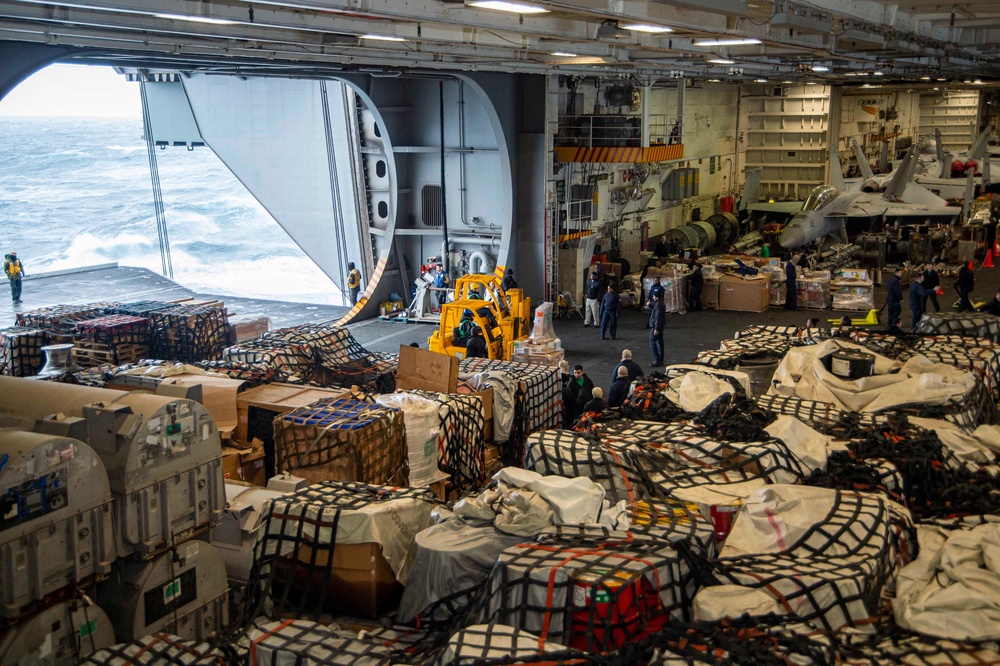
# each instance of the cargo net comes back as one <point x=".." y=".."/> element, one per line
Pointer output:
<point x="21" y="352"/>
<point x="60" y="320"/>
<point x="500" y="645"/>
<point x="344" y="440"/>
<point x="159" y="650"/>
<point x="650" y="399"/>
<point x="821" y="416"/>
<point x="795" y="336"/>
<point x="537" y="403"/>
<point x="962" y="324"/>
<point x="252" y="374"/>
<point x="288" y="359"/>
<point x="930" y="481"/>
<point x="984" y="362"/>
<point x="138" y="308"/>
<point x="890" y="644"/>
<point x="834" y="573"/>
<point x="111" y="339"/>
<point x="342" y="359"/>
<point x="305" y="642"/>
<point x="292" y="572"/>
<point x="593" y="594"/>
<point x="189" y="333"/>
<point x="682" y="456"/>
<point x="568" y="454"/>
<point x="97" y="376"/>
<point x="460" y="439"/>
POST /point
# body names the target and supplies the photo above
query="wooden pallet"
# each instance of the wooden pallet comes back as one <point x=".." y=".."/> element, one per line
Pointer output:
<point x="88" y="354"/>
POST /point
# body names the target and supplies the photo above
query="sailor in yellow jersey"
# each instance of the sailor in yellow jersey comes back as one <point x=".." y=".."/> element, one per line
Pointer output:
<point x="14" y="269"/>
<point x="353" y="282"/>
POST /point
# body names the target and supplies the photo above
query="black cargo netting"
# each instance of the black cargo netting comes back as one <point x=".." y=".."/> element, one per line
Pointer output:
<point x="461" y="439"/>
<point x="835" y="573"/>
<point x="649" y="401"/>
<point x="950" y="323"/>
<point x="305" y="642"/>
<point x="21" y="352"/>
<point x="343" y="440"/>
<point x="969" y="411"/>
<point x="595" y="595"/>
<point x="113" y="339"/>
<point x="138" y="308"/>
<point x="97" y="376"/>
<point x="892" y="645"/>
<point x="537" y="404"/>
<point x="500" y="645"/>
<point x="734" y="418"/>
<point x="929" y="480"/>
<point x="253" y="375"/>
<point x="984" y="362"/>
<point x="342" y="359"/>
<point x="159" y="650"/>
<point x="568" y="454"/>
<point x="188" y="333"/>
<point x="60" y="320"/>
<point x="292" y="572"/>
<point x="284" y="358"/>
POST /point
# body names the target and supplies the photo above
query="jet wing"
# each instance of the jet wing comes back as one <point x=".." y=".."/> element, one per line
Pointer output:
<point x="920" y="212"/>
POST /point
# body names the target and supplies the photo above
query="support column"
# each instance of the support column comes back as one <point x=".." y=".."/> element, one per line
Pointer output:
<point x="19" y="60"/>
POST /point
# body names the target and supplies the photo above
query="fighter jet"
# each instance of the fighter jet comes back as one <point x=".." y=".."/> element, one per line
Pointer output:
<point x="827" y="209"/>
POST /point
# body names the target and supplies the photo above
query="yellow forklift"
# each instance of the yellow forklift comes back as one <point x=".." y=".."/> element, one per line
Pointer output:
<point x="511" y="308"/>
<point x="443" y="340"/>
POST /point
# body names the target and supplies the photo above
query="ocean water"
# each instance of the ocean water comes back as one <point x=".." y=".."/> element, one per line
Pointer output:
<point x="76" y="192"/>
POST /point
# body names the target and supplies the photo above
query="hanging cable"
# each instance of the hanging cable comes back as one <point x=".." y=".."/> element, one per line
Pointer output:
<point x="338" y="209"/>
<point x="154" y="175"/>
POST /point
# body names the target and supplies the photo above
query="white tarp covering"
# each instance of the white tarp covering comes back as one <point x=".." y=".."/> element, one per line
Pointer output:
<point x="695" y="391"/>
<point x="504" y="388"/>
<point x="979" y="446"/>
<point x="809" y="446"/>
<point x="801" y="374"/>
<point x="423" y="426"/>
<point x="952" y="589"/>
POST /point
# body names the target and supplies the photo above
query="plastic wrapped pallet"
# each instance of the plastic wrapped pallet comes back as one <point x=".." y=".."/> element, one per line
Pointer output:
<point x="813" y="289"/>
<point x="593" y="595"/>
<point x="287" y="359"/>
<point x="63" y="634"/>
<point x="56" y="529"/>
<point x="344" y="440"/>
<point x="853" y="294"/>
<point x="444" y="435"/>
<point x="451" y="561"/>
<point x="60" y="320"/>
<point x="820" y="555"/>
<point x="964" y="324"/>
<point x="21" y="352"/>
<point x="338" y="547"/>
<point x="537" y="403"/>
<point x="188" y="333"/>
<point x="674" y="294"/>
<point x="111" y="339"/>
<point x="295" y="642"/>
<point x="158" y="649"/>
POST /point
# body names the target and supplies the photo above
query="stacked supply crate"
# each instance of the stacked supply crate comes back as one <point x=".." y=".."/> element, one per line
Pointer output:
<point x="288" y="359"/>
<point x="344" y="440"/>
<point x="113" y="339"/>
<point x="21" y="352"/>
<point x="60" y="320"/>
<point x="189" y="333"/>
<point x="813" y="289"/>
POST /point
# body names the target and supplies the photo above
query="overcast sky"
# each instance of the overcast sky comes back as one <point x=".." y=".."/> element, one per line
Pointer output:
<point x="74" y="90"/>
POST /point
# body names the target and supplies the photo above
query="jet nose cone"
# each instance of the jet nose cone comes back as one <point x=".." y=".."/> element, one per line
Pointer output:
<point x="792" y="237"/>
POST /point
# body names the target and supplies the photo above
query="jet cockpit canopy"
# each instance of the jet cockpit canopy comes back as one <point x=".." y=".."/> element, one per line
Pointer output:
<point x="820" y="197"/>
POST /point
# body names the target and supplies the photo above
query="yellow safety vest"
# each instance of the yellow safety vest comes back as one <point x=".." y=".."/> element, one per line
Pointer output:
<point x="354" y="279"/>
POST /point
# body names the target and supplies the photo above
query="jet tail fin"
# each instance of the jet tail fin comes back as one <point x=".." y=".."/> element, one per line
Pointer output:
<point x="883" y="158"/>
<point x="866" y="169"/>
<point x="942" y="158"/>
<point x="902" y="176"/>
<point x="836" y="170"/>
<point x="978" y="147"/>
<point x="970" y="192"/>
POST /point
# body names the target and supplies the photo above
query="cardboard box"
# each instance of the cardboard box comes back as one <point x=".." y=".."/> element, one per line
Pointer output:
<point x="247" y="327"/>
<point x="279" y="398"/>
<point x="426" y="370"/>
<point x="244" y="463"/>
<point x="744" y="294"/>
<point x="360" y="582"/>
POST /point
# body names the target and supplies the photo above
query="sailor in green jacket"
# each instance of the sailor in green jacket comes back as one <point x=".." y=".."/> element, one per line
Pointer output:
<point x="14" y="269"/>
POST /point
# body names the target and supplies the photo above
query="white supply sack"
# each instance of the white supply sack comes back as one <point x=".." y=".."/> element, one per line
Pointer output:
<point x="423" y="430"/>
<point x="696" y="390"/>
<point x="504" y="388"/>
<point x="542" y="326"/>
<point x="809" y="446"/>
<point x="573" y="501"/>
<point x="979" y="446"/>
<point x="952" y="589"/>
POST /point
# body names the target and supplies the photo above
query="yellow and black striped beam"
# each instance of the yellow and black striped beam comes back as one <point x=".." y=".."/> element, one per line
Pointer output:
<point x="621" y="154"/>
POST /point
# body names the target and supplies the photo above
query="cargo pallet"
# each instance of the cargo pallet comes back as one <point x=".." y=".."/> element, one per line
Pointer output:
<point x="88" y="354"/>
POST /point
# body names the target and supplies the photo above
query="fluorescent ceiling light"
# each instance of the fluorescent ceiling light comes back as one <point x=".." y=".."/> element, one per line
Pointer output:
<point x="978" y="82"/>
<point x="725" y="42"/>
<point x="925" y="78"/>
<point x="503" y="6"/>
<point x="563" y="54"/>
<point x="195" y="19"/>
<point x="877" y="74"/>
<point x="722" y="61"/>
<point x="810" y="83"/>
<point x="820" y="68"/>
<point x="760" y="80"/>
<point x="850" y="74"/>
<point x="383" y="38"/>
<point x="788" y="82"/>
<point x="714" y="81"/>
<point x="645" y="27"/>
